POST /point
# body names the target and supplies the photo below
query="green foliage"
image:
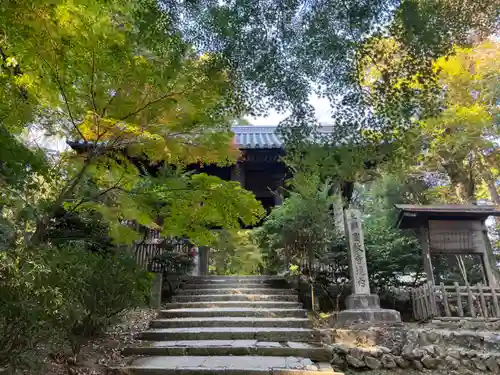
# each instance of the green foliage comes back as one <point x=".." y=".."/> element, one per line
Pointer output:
<point x="96" y="290"/>
<point x="394" y="256"/>
<point x="302" y="227"/>
<point x="139" y="97"/>
<point x="462" y="141"/>
<point x="29" y="302"/>
<point x="453" y="124"/>
<point x="284" y="51"/>
<point x="84" y="229"/>
<point x="173" y="262"/>
<point x="236" y="253"/>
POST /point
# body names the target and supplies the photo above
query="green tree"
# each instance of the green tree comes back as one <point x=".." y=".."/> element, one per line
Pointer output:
<point x="284" y="51"/>
<point x="394" y="257"/>
<point x="236" y="253"/>
<point x="119" y="79"/>
<point x="453" y="120"/>
<point x="462" y="141"/>
<point x="303" y="227"/>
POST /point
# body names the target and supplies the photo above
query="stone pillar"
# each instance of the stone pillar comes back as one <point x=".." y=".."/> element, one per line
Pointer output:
<point x="203" y="253"/>
<point x="196" y="264"/>
<point x="156" y="290"/>
<point x="362" y="307"/>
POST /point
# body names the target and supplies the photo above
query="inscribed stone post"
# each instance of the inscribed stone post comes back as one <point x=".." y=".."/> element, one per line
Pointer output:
<point x="357" y="256"/>
<point x="362" y="307"/>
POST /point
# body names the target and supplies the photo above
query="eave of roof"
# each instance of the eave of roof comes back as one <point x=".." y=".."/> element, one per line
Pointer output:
<point x="246" y="137"/>
<point x="412" y="216"/>
<point x="257" y="137"/>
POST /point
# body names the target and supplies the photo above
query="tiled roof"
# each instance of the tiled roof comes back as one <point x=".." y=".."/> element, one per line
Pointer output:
<point x="249" y="137"/>
<point x="256" y="137"/>
<point x="265" y="137"/>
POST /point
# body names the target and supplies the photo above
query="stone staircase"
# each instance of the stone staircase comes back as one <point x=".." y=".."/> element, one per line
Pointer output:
<point x="232" y="326"/>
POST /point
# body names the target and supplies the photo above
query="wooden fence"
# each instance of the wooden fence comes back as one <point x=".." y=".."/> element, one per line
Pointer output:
<point x="153" y="245"/>
<point x="316" y="266"/>
<point x="435" y="301"/>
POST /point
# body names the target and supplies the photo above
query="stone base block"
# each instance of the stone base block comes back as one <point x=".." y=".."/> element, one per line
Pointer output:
<point x="365" y="308"/>
<point x="362" y="301"/>
<point x="354" y="317"/>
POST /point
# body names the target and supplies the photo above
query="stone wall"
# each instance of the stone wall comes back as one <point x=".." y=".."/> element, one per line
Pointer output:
<point x="415" y="347"/>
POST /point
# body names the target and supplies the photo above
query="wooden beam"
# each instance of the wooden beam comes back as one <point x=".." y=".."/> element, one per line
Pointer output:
<point x="424" y="243"/>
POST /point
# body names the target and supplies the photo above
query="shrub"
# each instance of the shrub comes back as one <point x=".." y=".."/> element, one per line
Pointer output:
<point x="174" y="264"/>
<point x="28" y="303"/>
<point x="97" y="289"/>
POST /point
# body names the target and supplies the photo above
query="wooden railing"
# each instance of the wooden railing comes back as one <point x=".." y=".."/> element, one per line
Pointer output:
<point x="477" y="301"/>
<point x="317" y="266"/>
<point x="154" y="246"/>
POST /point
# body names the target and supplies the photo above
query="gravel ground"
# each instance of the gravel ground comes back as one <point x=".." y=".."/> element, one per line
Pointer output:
<point x="98" y="353"/>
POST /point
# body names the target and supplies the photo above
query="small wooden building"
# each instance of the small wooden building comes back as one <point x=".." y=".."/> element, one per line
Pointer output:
<point x="451" y="230"/>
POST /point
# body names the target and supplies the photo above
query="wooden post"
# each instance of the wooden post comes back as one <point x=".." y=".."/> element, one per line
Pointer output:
<point x="459" y="300"/>
<point x="413" y="303"/>
<point x="238" y="174"/>
<point x="496" y="307"/>
<point x="424" y="240"/>
<point x="427" y="304"/>
<point x="490" y="275"/>
<point x="445" y="300"/>
<point x="483" y="301"/>
<point x="418" y="300"/>
<point x="472" y="309"/>
<point x="434" y="307"/>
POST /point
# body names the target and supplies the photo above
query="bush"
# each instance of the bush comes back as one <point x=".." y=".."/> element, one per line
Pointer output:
<point x="174" y="264"/>
<point x="28" y="303"/>
<point x="97" y="289"/>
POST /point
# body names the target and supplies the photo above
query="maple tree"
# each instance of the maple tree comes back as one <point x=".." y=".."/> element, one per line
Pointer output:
<point x="118" y="78"/>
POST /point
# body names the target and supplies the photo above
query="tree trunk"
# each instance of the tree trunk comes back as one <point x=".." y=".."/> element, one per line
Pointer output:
<point x="465" y="190"/>
<point x="39" y="237"/>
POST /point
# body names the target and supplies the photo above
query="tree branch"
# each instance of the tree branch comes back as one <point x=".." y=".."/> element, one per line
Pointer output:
<point x="92" y="79"/>
<point x="142" y="108"/>
<point x="103" y="113"/>
<point x="65" y="98"/>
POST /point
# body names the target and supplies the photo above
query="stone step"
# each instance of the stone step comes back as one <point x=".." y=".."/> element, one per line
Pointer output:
<point x="229" y="333"/>
<point x="233" y="285"/>
<point x="233" y="279"/>
<point x="251" y="304"/>
<point x="221" y="365"/>
<point x="230" y="347"/>
<point x="240" y="290"/>
<point x="231" y="322"/>
<point x="233" y="312"/>
<point x="236" y="297"/>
